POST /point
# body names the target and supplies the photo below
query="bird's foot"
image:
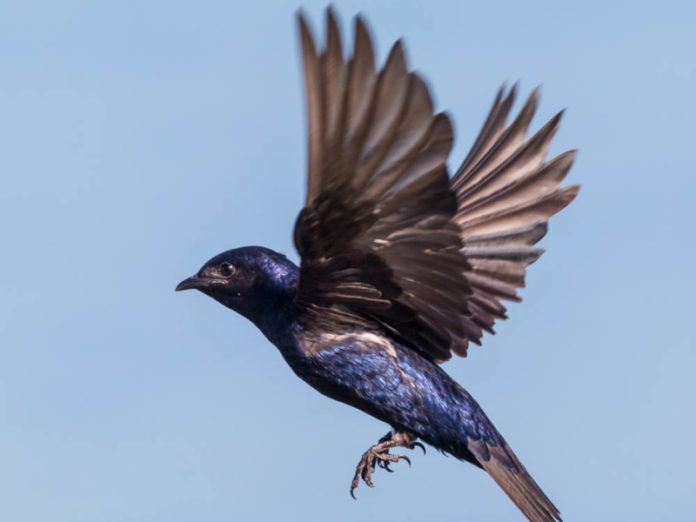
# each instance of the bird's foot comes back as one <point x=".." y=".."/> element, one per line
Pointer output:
<point x="370" y="460"/>
<point x="378" y="455"/>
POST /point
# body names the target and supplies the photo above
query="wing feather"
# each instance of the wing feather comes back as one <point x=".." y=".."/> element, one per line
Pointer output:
<point x="377" y="237"/>
<point x="506" y="193"/>
<point x="314" y="103"/>
<point x="384" y="232"/>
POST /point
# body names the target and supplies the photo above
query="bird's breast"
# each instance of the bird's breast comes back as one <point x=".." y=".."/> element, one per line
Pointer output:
<point x="376" y="374"/>
<point x="365" y="369"/>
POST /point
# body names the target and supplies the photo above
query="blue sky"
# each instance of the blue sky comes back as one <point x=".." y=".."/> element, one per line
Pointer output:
<point x="139" y="139"/>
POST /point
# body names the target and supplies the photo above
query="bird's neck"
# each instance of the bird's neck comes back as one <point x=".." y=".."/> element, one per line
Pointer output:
<point x="272" y="309"/>
<point x="278" y="318"/>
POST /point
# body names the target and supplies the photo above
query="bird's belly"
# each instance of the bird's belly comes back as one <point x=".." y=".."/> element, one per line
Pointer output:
<point x="393" y="383"/>
<point x="375" y="374"/>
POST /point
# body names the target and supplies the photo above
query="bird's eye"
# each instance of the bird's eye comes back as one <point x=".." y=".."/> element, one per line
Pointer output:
<point x="227" y="269"/>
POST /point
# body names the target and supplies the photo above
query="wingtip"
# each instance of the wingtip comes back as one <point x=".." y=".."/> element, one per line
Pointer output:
<point x="499" y="95"/>
<point x="513" y="90"/>
<point x="301" y="17"/>
<point x="333" y="34"/>
<point x="442" y="128"/>
<point x="362" y="40"/>
<point x="558" y="116"/>
<point x="331" y="18"/>
<point x="398" y="47"/>
<point x="540" y="230"/>
<point x="532" y="101"/>
<point x="570" y="156"/>
<point x="303" y="26"/>
<point x="568" y="194"/>
<point x="360" y="24"/>
<point x="509" y="98"/>
<point x="573" y="190"/>
<point x="397" y="55"/>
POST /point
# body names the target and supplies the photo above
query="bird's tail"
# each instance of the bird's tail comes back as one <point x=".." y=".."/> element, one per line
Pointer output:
<point x="506" y="469"/>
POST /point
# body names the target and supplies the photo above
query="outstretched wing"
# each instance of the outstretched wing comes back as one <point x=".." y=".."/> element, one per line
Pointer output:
<point x="376" y="237"/>
<point x="506" y="192"/>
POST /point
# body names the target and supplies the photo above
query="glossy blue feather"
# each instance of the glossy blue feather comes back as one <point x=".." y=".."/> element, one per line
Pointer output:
<point x="363" y="367"/>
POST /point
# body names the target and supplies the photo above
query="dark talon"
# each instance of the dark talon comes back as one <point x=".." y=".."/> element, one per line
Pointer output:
<point x="386" y="438"/>
<point x="420" y="446"/>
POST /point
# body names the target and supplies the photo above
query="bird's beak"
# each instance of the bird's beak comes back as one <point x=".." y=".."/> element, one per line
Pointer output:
<point x="191" y="282"/>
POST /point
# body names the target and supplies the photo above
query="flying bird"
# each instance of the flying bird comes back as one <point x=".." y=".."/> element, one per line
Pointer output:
<point x="401" y="265"/>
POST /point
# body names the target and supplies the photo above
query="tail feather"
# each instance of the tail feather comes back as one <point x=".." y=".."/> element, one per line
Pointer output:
<point x="503" y="465"/>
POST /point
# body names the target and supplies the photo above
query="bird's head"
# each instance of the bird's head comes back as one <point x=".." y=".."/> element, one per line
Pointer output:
<point x="250" y="280"/>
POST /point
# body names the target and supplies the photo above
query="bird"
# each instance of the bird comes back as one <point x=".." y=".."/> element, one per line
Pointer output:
<point x="401" y="264"/>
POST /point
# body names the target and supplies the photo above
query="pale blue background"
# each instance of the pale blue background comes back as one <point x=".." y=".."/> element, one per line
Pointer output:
<point x="138" y="139"/>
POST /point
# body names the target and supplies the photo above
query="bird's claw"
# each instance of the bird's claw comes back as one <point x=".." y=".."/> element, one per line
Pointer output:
<point x="419" y="445"/>
<point x="371" y="459"/>
<point x="385" y="465"/>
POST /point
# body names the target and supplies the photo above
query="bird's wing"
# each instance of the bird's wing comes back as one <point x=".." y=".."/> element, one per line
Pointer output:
<point x="506" y="192"/>
<point x="377" y="237"/>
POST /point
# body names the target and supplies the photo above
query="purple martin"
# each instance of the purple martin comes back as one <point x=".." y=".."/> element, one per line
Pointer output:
<point x="401" y="264"/>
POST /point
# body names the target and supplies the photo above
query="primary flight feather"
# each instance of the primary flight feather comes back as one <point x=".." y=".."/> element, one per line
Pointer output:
<point x="401" y="266"/>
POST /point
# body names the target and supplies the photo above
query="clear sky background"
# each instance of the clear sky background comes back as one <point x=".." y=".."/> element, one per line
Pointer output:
<point x="138" y="139"/>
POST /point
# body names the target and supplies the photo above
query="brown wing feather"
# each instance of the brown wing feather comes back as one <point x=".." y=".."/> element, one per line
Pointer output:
<point x="377" y="234"/>
<point x="506" y="193"/>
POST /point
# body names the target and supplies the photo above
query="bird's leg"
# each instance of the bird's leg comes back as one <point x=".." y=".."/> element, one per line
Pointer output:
<point x="378" y="455"/>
